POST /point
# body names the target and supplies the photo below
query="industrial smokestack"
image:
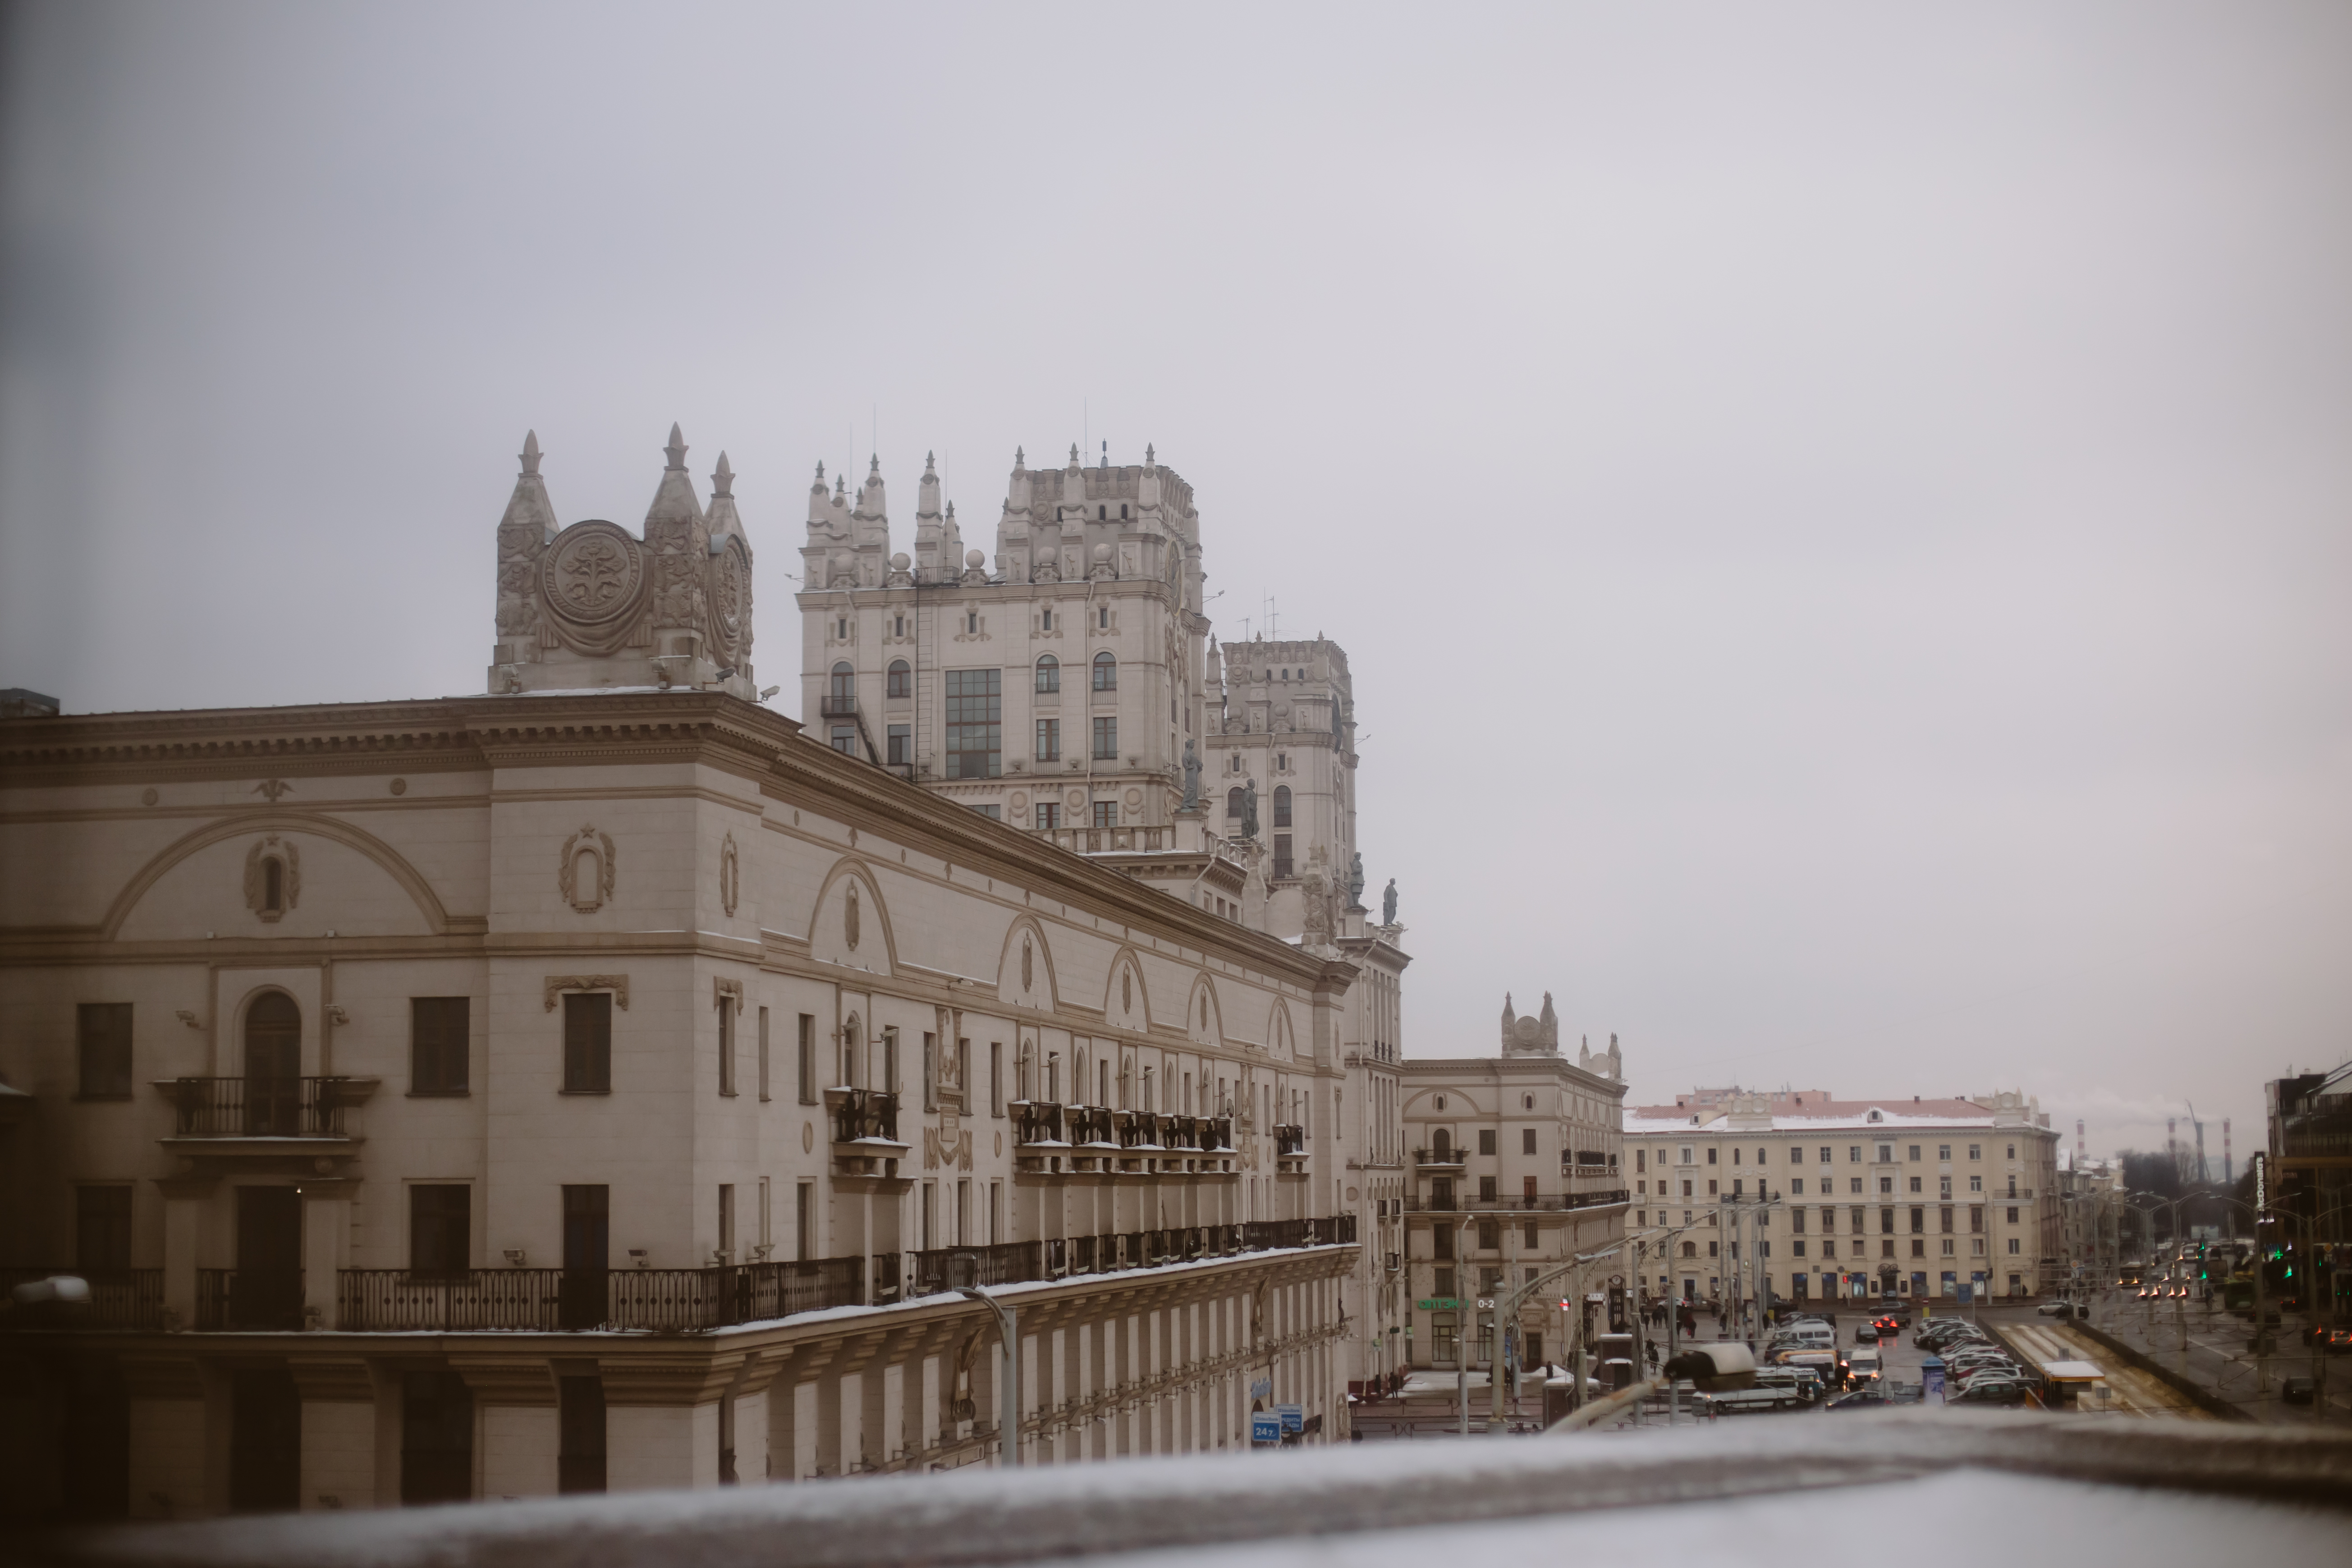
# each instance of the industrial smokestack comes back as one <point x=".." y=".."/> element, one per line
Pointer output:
<point x="2228" y="1178"/>
<point x="2082" y="1150"/>
<point x="2172" y="1143"/>
<point x="2204" y="1172"/>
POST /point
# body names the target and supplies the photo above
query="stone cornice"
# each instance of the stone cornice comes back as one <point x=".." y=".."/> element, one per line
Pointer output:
<point x="706" y="728"/>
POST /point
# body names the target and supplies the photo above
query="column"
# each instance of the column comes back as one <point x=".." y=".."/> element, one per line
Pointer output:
<point x="326" y="1246"/>
<point x="661" y="1417"/>
<point x="520" y="1425"/>
<point x="170" y="1425"/>
<point x="340" y="1430"/>
<point x="185" y="1201"/>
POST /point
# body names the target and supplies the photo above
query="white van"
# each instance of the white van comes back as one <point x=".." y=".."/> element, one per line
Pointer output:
<point x="1864" y="1363"/>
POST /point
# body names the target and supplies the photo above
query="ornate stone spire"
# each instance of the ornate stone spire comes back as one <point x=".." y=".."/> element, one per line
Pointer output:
<point x="723" y="480"/>
<point x="530" y="452"/>
<point x="677" y="450"/>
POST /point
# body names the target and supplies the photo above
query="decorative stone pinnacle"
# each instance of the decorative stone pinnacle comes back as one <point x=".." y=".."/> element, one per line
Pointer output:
<point x="1151" y="456"/>
<point x="874" y="469"/>
<point x="530" y="452"/>
<point x="820" y="476"/>
<point x="1019" y="462"/>
<point x="722" y="478"/>
<point x="677" y="450"/>
<point x="1074" y="454"/>
<point x="930" y="464"/>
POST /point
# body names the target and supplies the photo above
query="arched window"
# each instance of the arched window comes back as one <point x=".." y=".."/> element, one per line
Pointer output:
<point x="902" y="679"/>
<point x="1282" y="805"/>
<point x="844" y="681"/>
<point x="1234" y="803"/>
<point x="1106" y="672"/>
<point x="1049" y="674"/>
<point x="1441" y="1143"/>
<point x="1102" y="514"/>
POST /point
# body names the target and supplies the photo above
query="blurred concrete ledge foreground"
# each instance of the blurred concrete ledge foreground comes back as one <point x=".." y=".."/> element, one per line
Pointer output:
<point x="2030" y="1490"/>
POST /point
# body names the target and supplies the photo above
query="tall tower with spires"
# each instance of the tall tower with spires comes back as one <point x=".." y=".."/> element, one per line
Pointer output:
<point x="1052" y="684"/>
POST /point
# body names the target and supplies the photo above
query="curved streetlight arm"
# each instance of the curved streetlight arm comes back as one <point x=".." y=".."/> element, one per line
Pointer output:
<point x="1008" y="1396"/>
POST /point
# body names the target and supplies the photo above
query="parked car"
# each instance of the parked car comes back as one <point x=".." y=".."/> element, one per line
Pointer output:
<point x="1871" y="1397"/>
<point x="1888" y="1326"/>
<point x="2339" y="1342"/>
<point x="1866" y="1334"/>
<point x="2299" y="1390"/>
<point x="2012" y="1391"/>
<point x="2056" y="1309"/>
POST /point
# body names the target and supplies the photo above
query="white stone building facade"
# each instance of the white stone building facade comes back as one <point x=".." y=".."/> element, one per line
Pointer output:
<point x="1905" y="1197"/>
<point x="1515" y="1169"/>
<point x="604" y="1082"/>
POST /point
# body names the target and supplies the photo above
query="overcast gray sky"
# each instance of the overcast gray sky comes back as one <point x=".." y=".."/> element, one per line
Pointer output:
<point x="1839" y="514"/>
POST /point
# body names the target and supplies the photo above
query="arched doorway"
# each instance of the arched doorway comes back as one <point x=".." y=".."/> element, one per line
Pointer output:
<point x="273" y="1067"/>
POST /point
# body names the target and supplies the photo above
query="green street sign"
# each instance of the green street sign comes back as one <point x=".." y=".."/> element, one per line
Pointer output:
<point x="1440" y="1304"/>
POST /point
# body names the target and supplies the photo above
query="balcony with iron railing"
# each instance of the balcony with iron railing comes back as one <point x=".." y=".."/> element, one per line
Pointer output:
<point x="543" y="1299"/>
<point x="1109" y="840"/>
<point x="866" y="1131"/>
<point x="223" y="1111"/>
<point x="1513" y="1203"/>
<point x="1449" y="1158"/>
<point x="119" y="1299"/>
<point x="1587" y="1163"/>
<point x="1023" y="1262"/>
<point x="1289" y="1141"/>
<point x="835" y="705"/>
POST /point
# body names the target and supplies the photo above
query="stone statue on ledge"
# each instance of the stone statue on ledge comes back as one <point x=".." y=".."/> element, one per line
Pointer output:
<point x="1356" y="880"/>
<point x="1249" y="809"/>
<point x="1388" y="904"/>
<point x="1191" y="779"/>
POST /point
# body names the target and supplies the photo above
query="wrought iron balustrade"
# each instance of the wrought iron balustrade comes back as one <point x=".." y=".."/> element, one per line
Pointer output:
<point x="1289" y="1138"/>
<point x="1037" y="1121"/>
<point x="249" y="1299"/>
<point x="260" y="1107"/>
<point x="119" y="1297"/>
<point x="1513" y="1203"/>
<point x="864" y="1113"/>
<point x="1450" y="1156"/>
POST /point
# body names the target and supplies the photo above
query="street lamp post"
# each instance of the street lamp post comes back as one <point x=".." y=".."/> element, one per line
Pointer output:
<point x="1008" y="1396"/>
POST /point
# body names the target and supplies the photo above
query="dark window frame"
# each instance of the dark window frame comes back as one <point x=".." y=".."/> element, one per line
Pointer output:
<point x="1049" y="674"/>
<point x="102" y="1212"/>
<point x="587" y="1042"/>
<point x="440" y="1046"/>
<point x="103" y="1050"/>
<point x="440" y="1229"/>
<point x="806" y="1066"/>
<point x="1106" y="671"/>
<point x="899" y="680"/>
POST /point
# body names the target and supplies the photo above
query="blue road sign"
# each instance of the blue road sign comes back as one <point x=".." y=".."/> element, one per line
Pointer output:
<point x="1266" y="1426"/>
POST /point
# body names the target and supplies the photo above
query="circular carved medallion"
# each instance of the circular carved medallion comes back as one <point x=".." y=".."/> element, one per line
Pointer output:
<point x="592" y="572"/>
<point x="1135" y="800"/>
<point x="730" y="593"/>
<point x="400" y="787"/>
<point x="148" y="798"/>
<point x="1077" y="799"/>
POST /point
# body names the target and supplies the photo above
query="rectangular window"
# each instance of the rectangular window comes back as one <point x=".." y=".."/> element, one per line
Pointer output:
<point x="588" y="1042"/>
<point x="101" y="1229"/>
<point x="996" y="1078"/>
<point x="580" y="1433"/>
<point x="440" y="1230"/>
<point x="845" y="740"/>
<point x="1486" y="1140"/>
<point x="1283" y="869"/>
<point x="1976" y="1151"/>
<point x="1106" y="739"/>
<point x="1049" y="814"/>
<point x="2014" y="1246"/>
<point x="975" y="724"/>
<point x="437" y="1045"/>
<point x="764" y="1053"/>
<point x="901" y="741"/>
<point x="1528" y="1239"/>
<point x="727" y="1219"/>
<point x="766" y="1236"/>
<point x="1914" y="1152"/>
<point x="1441" y="1240"/>
<point x="1526" y="1140"/>
<point x="1049" y="739"/>
<point x="1486" y="1189"/>
<point x="1490" y="1232"/>
<point x="1106" y="814"/>
<point x="1853" y="1154"/>
<point x="990" y="810"/>
<point x="891" y="1061"/>
<point x="726" y="1045"/>
<point x="804" y="1221"/>
<point x="804" y="1068"/>
<point x="1710" y="1156"/>
<point x="104" y="1033"/>
<point x="2012" y="1216"/>
<point x="931" y="1071"/>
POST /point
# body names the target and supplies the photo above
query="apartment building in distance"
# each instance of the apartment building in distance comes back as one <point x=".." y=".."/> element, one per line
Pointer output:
<point x="602" y="1082"/>
<point x="1515" y="1171"/>
<point x="1907" y="1197"/>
